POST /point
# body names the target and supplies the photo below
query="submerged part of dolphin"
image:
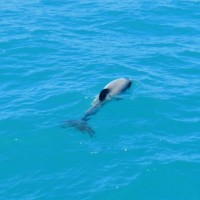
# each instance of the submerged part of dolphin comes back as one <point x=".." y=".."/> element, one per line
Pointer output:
<point x="80" y="125"/>
<point x="109" y="92"/>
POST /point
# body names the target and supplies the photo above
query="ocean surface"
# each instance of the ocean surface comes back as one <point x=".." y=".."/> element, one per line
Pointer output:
<point x="56" y="56"/>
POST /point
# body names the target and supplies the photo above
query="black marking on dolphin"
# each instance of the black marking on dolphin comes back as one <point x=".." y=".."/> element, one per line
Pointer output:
<point x="103" y="94"/>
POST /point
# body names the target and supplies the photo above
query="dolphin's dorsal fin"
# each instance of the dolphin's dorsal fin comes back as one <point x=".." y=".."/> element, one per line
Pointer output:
<point x="103" y="94"/>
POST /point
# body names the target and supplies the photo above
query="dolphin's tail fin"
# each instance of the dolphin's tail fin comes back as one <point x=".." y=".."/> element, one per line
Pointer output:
<point x="80" y="125"/>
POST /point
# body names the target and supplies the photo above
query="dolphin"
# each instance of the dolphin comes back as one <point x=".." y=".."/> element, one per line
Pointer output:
<point x="108" y="93"/>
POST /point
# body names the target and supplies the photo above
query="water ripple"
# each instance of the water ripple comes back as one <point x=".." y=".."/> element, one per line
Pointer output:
<point x="56" y="56"/>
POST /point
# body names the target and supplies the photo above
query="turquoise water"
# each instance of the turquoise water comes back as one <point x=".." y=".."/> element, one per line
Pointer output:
<point x="56" y="56"/>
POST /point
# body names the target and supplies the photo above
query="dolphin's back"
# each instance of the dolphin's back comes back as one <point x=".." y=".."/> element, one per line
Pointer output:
<point x="118" y="86"/>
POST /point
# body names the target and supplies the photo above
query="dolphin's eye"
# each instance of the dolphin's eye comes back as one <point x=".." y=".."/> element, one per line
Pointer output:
<point x="103" y="94"/>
